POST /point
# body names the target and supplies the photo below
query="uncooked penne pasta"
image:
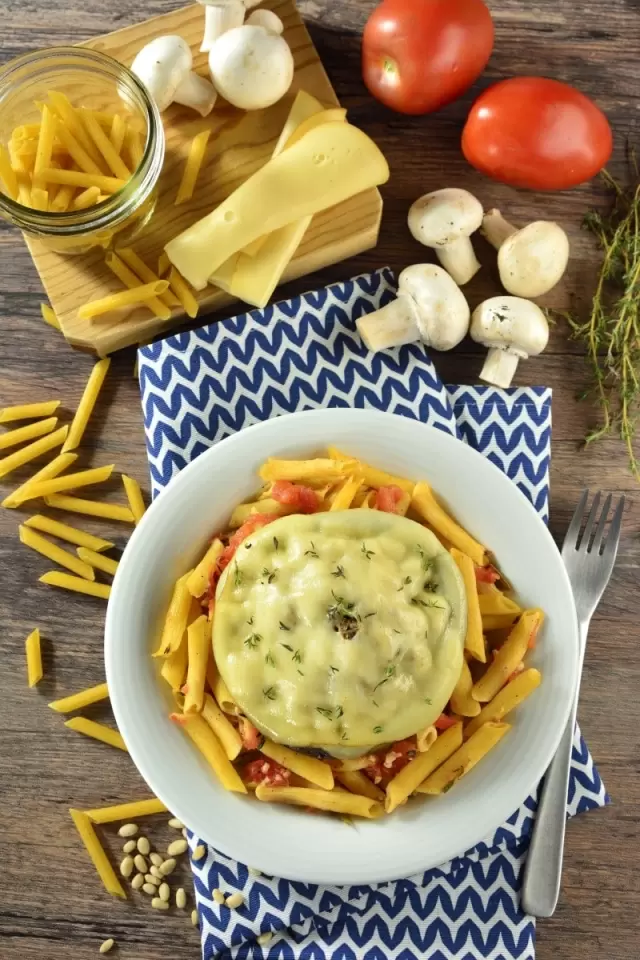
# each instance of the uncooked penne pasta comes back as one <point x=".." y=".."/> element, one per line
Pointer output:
<point x="134" y="496"/>
<point x="97" y="731"/>
<point x="53" y="552"/>
<point x="146" y="274"/>
<point x="65" y="532"/>
<point x="474" y="639"/>
<point x="309" y="768"/>
<point x="184" y="293"/>
<point x="31" y="432"/>
<point x="513" y="694"/>
<point x="508" y="658"/>
<point x="28" y="411"/>
<point x="48" y="315"/>
<point x="427" y="507"/>
<point x="465" y="758"/>
<point x="92" y="508"/>
<point x="86" y="405"/>
<point x="192" y="167"/>
<point x="105" y="564"/>
<point x="211" y="749"/>
<point x="131" y="281"/>
<point x="334" y="801"/>
<point x="224" y="730"/>
<point x="126" y="811"/>
<point x="76" y="701"/>
<point x="96" y="852"/>
<point x="68" y="481"/>
<point x="199" y="578"/>
<point x="462" y="702"/>
<point x="135" y="296"/>
<point x="76" y="584"/>
<point x="52" y="469"/>
<point x="176" y="619"/>
<point x="32" y="450"/>
<point x="415" y="773"/>
<point x="34" y="658"/>
<point x="357" y="782"/>
<point x="198" y="638"/>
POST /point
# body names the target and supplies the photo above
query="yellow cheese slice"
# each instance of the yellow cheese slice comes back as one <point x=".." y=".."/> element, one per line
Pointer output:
<point x="330" y="164"/>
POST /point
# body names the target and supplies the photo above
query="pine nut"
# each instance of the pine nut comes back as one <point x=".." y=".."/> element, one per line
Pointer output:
<point x="128" y="830"/>
<point x="177" y="847"/>
<point x="126" y="867"/>
<point x="176" y="824"/>
<point x="181" y="898"/>
<point x="199" y="852"/>
<point x="141" y="863"/>
<point x="149" y="877"/>
<point x="150" y="889"/>
<point x="156" y="859"/>
<point x="194" y="917"/>
<point x="218" y="896"/>
<point x="155" y="872"/>
<point x="143" y="845"/>
<point x="234" y="901"/>
<point x="164" y="892"/>
<point x="107" y="945"/>
<point x="159" y="904"/>
<point x="137" y="881"/>
<point x="167" y="867"/>
<point x="265" y="938"/>
<point x="129" y="846"/>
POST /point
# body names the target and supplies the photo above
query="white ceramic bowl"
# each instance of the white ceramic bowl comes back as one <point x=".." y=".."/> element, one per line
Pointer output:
<point x="279" y="840"/>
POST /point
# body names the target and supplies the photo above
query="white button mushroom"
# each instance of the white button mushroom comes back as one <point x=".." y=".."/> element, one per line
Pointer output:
<point x="220" y="16"/>
<point x="429" y="307"/>
<point x="164" y="67"/>
<point x="267" y="19"/>
<point x="513" y="329"/>
<point x="250" y="67"/>
<point x="532" y="260"/>
<point x="445" y="220"/>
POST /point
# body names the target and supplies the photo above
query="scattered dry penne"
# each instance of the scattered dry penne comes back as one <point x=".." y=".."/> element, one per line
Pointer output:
<point x="53" y="552"/>
<point x="49" y="316"/>
<point x="91" y="508"/>
<point x="97" y="560"/>
<point x="30" y="432"/>
<point x="126" y="811"/>
<point x="96" y="852"/>
<point x="184" y="293"/>
<point x="52" y="469"/>
<point x="130" y="280"/>
<point x="134" y="496"/>
<point x="146" y="274"/>
<point x="32" y="451"/>
<point x="28" y="411"/>
<point x="76" y="701"/>
<point x="136" y="296"/>
<point x="69" y="481"/>
<point x="76" y="584"/>
<point x="34" y="658"/>
<point x="192" y="167"/>
<point x="86" y="405"/>
<point x="97" y="731"/>
<point x="65" y="532"/>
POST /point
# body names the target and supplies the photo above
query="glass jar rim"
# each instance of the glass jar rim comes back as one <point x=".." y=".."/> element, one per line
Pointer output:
<point x="118" y="205"/>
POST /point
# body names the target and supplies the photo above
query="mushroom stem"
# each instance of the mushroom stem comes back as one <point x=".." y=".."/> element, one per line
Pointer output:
<point x="496" y="229"/>
<point x="459" y="260"/>
<point x="197" y="93"/>
<point x="499" y="367"/>
<point x="391" y="326"/>
<point x="220" y="17"/>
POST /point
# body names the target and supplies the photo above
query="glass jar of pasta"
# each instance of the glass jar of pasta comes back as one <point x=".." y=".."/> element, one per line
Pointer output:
<point x="81" y="149"/>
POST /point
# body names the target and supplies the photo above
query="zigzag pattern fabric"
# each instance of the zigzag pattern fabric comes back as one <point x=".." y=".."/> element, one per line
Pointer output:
<point x="201" y="386"/>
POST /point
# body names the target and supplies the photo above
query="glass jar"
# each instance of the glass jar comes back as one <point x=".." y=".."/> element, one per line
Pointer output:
<point x="96" y="81"/>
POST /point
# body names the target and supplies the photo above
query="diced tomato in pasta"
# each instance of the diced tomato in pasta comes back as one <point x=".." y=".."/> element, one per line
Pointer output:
<point x="388" y="498"/>
<point x="302" y="499"/>
<point x="268" y="772"/>
<point x="444" y="722"/>
<point x="487" y="574"/>
<point x="251" y="736"/>
<point x="254" y="523"/>
<point x="383" y="767"/>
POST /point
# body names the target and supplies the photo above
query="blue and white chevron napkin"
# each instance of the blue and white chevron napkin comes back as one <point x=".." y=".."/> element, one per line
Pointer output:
<point x="201" y="386"/>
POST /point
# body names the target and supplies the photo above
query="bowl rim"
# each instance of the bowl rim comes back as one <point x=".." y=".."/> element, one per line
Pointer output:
<point x="178" y="804"/>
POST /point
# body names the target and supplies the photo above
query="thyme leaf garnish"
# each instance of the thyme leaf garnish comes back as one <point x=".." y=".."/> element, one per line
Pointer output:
<point x="238" y="576"/>
<point x="270" y="659"/>
<point x="276" y="543"/>
<point x="287" y="647"/>
<point x="312" y="552"/>
<point x="283" y="626"/>
<point x="252" y="641"/>
<point x="405" y="583"/>
<point x="269" y="575"/>
<point x="339" y="572"/>
<point x="367" y="553"/>
<point x="297" y="657"/>
<point x="270" y="693"/>
<point x="377" y="729"/>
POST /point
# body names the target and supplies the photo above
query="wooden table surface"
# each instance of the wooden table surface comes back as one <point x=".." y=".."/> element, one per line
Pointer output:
<point x="52" y="904"/>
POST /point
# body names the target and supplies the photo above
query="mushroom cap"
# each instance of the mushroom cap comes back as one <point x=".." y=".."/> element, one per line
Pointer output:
<point x="510" y="323"/>
<point x="250" y="67"/>
<point x="442" y="310"/>
<point x="533" y="260"/>
<point x="441" y="217"/>
<point x="161" y="66"/>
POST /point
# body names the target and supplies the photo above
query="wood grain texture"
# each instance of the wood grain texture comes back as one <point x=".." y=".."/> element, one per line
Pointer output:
<point x="52" y="904"/>
<point x="239" y="145"/>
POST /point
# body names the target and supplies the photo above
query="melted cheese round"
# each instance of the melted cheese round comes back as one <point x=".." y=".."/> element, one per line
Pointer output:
<point x="340" y="630"/>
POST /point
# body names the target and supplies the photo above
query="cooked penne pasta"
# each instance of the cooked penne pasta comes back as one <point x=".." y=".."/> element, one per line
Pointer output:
<point x="97" y="731"/>
<point x="34" y="658"/>
<point x="64" y="532"/>
<point x="134" y="496"/>
<point x="27" y="411"/>
<point x="92" y="508"/>
<point x="176" y="619"/>
<point x="86" y="405"/>
<point x="174" y="667"/>
<point x="127" y="298"/>
<point x="52" y="469"/>
<point x="130" y="280"/>
<point x="76" y="701"/>
<point x="31" y="432"/>
<point x="223" y="698"/>
<point x="198" y="638"/>
<point x="199" y="579"/>
<point x="96" y="852"/>
<point x="146" y="274"/>
<point x="48" y="315"/>
<point x="211" y="749"/>
<point x="192" y="167"/>
<point x="126" y="811"/>
<point x="497" y="621"/>
<point x="497" y="610"/>
<point x="105" y="564"/>
<point x="224" y="730"/>
<point x="299" y="471"/>
<point x="508" y="658"/>
<point x="506" y="700"/>
<point x="30" y="538"/>
<point x="371" y="476"/>
<point x="357" y="782"/>
<point x="76" y="584"/>
<point x="426" y="505"/>
<point x="183" y="292"/>
<point x="474" y="640"/>
<point x="417" y="770"/>
<point x="69" y="481"/>
<point x="243" y="511"/>
<point x="465" y="758"/>
<point x="462" y="703"/>
<point x="426" y="738"/>
<point x="335" y="801"/>
<point x="345" y="495"/>
<point x="315" y="771"/>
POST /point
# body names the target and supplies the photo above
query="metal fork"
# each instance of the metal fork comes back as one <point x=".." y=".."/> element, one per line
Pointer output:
<point x="589" y="561"/>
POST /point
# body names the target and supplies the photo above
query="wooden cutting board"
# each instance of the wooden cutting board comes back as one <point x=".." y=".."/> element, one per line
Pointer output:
<point x="239" y="144"/>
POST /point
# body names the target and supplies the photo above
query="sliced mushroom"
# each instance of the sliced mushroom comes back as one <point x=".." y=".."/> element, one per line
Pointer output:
<point x="445" y="220"/>
<point x="164" y="67"/>
<point x="429" y="307"/>
<point x="513" y="329"/>
<point x="251" y="67"/>
<point x="532" y="260"/>
<point x="218" y="18"/>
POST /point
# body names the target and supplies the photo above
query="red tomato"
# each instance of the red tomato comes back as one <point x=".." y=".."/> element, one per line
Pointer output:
<point x="248" y="527"/>
<point x="268" y="772"/>
<point x="302" y="499"/>
<point x="537" y="133"/>
<point x="383" y="767"/>
<point x="487" y="574"/>
<point x="419" y="55"/>
<point x="444" y="722"/>
<point x="252" y="739"/>
<point x="388" y="498"/>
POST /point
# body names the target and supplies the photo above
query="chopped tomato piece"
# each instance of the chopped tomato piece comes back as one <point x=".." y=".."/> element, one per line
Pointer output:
<point x="383" y="767"/>
<point x="268" y="772"/>
<point x="388" y="498"/>
<point x="487" y="574"/>
<point x="252" y="739"/>
<point x="302" y="499"/>
<point x="444" y="722"/>
<point x="254" y="523"/>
